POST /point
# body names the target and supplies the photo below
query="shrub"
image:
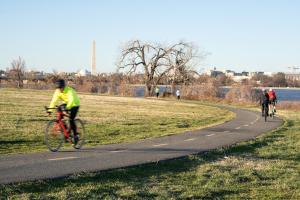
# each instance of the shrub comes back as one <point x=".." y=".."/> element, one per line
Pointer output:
<point x="288" y="105"/>
<point x="125" y="90"/>
<point x="242" y="93"/>
<point x="203" y="91"/>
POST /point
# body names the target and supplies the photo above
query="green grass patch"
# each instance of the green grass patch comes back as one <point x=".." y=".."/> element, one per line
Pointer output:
<point x="264" y="168"/>
<point x="108" y="119"/>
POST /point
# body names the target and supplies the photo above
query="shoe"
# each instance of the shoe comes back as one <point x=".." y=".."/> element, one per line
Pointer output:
<point x="76" y="139"/>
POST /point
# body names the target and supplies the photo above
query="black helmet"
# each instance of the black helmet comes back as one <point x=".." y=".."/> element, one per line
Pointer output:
<point x="60" y="83"/>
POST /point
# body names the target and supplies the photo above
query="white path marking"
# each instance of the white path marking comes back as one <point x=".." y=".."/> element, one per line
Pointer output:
<point x="64" y="158"/>
<point x="238" y="128"/>
<point x="118" y="151"/>
<point x="257" y="118"/>
<point x="159" y="145"/>
<point x="191" y="139"/>
<point x="210" y="135"/>
<point x="246" y="125"/>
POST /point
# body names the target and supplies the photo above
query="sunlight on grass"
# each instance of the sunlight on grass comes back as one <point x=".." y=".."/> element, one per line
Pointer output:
<point x="108" y="119"/>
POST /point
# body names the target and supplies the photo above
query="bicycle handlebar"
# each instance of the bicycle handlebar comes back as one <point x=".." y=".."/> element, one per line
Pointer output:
<point x="47" y="108"/>
<point x="56" y="107"/>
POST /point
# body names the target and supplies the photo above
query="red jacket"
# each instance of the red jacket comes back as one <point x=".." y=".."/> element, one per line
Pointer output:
<point x="272" y="95"/>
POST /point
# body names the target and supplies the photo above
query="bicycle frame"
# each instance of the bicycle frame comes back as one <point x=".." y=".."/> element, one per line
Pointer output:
<point x="59" y="116"/>
<point x="59" y="119"/>
<point x="58" y="127"/>
<point x="272" y="108"/>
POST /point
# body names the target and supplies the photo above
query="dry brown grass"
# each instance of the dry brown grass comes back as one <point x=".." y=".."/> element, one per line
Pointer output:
<point x="108" y="119"/>
<point x="242" y="94"/>
<point x="288" y="105"/>
<point x="205" y="91"/>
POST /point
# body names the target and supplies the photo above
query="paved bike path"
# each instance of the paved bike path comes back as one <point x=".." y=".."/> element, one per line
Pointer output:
<point x="33" y="166"/>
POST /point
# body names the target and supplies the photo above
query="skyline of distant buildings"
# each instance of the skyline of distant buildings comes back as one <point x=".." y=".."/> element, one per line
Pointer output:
<point x="209" y="72"/>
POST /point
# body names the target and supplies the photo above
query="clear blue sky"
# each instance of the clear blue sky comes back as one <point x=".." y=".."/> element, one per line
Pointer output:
<point x="239" y="34"/>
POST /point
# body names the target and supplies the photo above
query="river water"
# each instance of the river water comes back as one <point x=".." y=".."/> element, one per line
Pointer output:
<point x="288" y="94"/>
<point x="285" y="94"/>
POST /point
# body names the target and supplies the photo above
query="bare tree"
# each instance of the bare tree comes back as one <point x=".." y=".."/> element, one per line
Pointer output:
<point x="155" y="61"/>
<point x="182" y="62"/>
<point x="279" y="80"/>
<point x="17" y="71"/>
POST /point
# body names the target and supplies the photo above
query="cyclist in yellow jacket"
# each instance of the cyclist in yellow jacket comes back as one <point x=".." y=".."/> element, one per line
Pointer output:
<point x="69" y="96"/>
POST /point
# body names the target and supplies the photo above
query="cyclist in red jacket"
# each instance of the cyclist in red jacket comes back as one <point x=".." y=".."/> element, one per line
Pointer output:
<point x="273" y="98"/>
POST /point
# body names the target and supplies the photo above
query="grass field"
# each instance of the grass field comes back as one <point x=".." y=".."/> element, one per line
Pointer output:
<point x="265" y="168"/>
<point x="108" y="119"/>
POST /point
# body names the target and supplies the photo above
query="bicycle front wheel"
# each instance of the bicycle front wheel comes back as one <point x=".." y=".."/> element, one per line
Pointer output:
<point x="54" y="136"/>
<point x="80" y="134"/>
<point x="266" y="112"/>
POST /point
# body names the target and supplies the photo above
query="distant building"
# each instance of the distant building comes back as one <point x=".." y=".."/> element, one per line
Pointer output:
<point x="238" y="77"/>
<point x="292" y="76"/>
<point x="229" y="73"/>
<point x="251" y="74"/>
<point x="83" y="72"/>
<point x="245" y="73"/>
<point x="269" y="73"/>
<point x="93" y="63"/>
<point x="2" y="75"/>
<point x="213" y="73"/>
<point x="34" y="75"/>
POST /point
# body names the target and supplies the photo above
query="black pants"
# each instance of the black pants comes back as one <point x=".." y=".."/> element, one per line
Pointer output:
<point x="263" y="107"/>
<point x="73" y="113"/>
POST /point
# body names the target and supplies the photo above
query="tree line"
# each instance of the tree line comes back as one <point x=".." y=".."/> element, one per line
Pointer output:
<point x="148" y="64"/>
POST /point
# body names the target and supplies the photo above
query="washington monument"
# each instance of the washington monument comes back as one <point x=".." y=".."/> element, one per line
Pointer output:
<point x="93" y="64"/>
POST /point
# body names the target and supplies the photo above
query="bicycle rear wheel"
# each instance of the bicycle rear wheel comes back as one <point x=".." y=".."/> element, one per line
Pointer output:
<point x="54" y="136"/>
<point x="266" y="112"/>
<point x="273" y="112"/>
<point x="80" y="134"/>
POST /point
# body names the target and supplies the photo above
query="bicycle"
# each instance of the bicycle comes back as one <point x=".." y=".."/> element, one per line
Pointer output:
<point x="57" y="131"/>
<point x="272" y="109"/>
<point x="266" y="111"/>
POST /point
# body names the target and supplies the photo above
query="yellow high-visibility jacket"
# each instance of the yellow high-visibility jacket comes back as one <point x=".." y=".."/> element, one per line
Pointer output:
<point x="68" y="96"/>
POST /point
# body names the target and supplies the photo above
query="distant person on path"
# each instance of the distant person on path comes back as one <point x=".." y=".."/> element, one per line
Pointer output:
<point x="178" y="94"/>
<point x="69" y="96"/>
<point x="264" y="101"/>
<point x="273" y="98"/>
<point x="157" y="91"/>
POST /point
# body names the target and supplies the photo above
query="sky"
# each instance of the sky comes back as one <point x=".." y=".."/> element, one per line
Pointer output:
<point x="251" y="35"/>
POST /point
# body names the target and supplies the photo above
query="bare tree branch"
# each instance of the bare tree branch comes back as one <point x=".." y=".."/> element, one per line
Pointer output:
<point x="17" y="71"/>
<point x="157" y="61"/>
